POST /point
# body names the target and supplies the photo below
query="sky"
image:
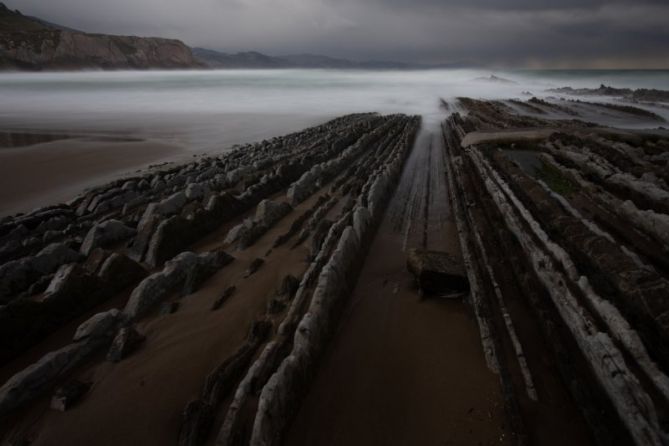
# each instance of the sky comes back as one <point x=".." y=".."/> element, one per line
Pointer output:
<point x="504" y="33"/>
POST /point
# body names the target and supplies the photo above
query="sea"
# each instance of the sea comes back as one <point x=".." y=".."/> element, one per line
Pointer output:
<point x="216" y="109"/>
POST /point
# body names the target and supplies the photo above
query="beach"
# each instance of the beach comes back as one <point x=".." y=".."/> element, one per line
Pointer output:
<point x="191" y="278"/>
<point x="52" y="172"/>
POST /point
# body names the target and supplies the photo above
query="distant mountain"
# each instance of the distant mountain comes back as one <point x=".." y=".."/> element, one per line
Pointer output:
<point x="317" y="61"/>
<point x="217" y="59"/>
<point x="30" y="43"/>
<point x="249" y="59"/>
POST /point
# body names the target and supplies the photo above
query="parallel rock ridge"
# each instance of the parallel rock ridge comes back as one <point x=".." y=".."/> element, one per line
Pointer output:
<point x="133" y="240"/>
<point x="60" y="261"/>
<point x="563" y="236"/>
<point x="570" y="225"/>
<point x="279" y="378"/>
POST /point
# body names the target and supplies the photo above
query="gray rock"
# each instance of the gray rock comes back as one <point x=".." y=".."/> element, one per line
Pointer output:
<point x="269" y="212"/>
<point x="105" y="234"/>
<point x="62" y="277"/>
<point x="437" y="272"/>
<point x="129" y="185"/>
<point x="99" y="325"/>
<point x="305" y="186"/>
<point x="126" y="341"/>
<point x="50" y="258"/>
<point x="75" y="284"/>
<point x="68" y="395"/>
<point x="119" y="271"/>
<point x="95" y="260"/>
<point x="158" y="286"/>
<point x="33" y="381"/>
<point x="236" y="233"/>
<point x="198" y="275"/>
<point x="361" y="223"/>
<point x="195" y="191"/>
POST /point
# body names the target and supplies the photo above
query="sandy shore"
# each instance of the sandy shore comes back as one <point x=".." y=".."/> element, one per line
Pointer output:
<point x="49" y="161"/>
<point x="51" y="172"/>
<point x="401" y="370"/>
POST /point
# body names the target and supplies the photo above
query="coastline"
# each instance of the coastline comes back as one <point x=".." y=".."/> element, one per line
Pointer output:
<point x="46" y="173"/>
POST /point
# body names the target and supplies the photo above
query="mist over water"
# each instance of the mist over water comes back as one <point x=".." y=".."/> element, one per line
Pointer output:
<point x="204" y="110"/>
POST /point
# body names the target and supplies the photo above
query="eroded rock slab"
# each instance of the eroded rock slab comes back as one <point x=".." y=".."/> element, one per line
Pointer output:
<point x="437" y="273"/>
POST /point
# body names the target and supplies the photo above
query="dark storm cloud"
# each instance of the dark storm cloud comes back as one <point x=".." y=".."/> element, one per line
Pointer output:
<point x="594" y="33"/>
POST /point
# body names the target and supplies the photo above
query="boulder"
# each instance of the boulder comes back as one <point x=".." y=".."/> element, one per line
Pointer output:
<point x="437" y="272"/>
<point x="269" y="212"/>
<point x="120" y="271"/>
<point x="18" y="275"/>
<point x="167" y="240"/>
<point x="105" y="234"/>
<point x="172" y="204"/>
<point x="238" y="231"/>
<point x="54" y="255"/>
<point x="68" y="395"/>
<point x="196" y="276"/>
<point x="155" y="288"/>
<point x="73" y="282"/>
<point x="33" y="380"/>
<point x="100" y="325"/>
<point x="126" y="341"/>
<point x="145" y="229"/>
<point x="195" y="191"/>
<point x="40" y="285"/>
<point x="305" y="186"/>
<point x="95" y="260"/>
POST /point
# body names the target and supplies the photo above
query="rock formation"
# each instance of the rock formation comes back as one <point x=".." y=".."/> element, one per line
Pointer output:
<point x="26" y="43"/>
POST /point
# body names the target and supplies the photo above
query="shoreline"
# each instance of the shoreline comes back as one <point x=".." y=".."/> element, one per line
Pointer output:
<point x="54" y="163"/>
<point x="46" y="173"/>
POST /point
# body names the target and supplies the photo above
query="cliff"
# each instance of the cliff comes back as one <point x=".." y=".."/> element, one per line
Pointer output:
<point x="29" y="43"/>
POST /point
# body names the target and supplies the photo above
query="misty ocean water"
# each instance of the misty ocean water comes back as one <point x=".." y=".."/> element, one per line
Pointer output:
<point x="204" y="110"/>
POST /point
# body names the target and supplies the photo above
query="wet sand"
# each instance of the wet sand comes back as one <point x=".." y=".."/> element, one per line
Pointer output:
<point x="401" y="370"/>
<point x="56" y="171"/>
<point x="52" y="160"/>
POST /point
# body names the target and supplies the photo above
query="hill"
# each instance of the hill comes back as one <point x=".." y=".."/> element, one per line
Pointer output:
<point x="33" y="44"/>
<point x="253" y="59"/>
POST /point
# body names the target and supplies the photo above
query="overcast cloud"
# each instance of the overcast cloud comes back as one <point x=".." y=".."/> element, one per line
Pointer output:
<point x="535" y="33"/>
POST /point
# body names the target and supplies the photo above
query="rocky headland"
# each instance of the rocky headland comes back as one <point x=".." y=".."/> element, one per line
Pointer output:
<point x="31" y="44"/>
